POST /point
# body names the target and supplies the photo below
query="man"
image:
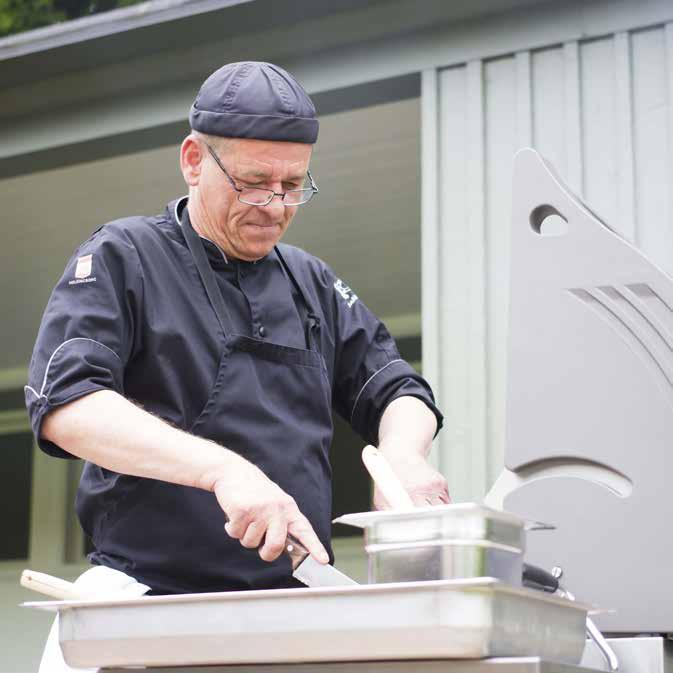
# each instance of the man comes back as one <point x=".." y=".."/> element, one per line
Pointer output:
<point x="193" y="362"/>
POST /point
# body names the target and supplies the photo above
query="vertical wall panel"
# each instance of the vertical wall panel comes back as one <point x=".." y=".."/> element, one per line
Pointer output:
<point x="430" y="235"/>
<point x="668" y="60"/>
<point x="477" y="276"/>
<point x="524" y="103"/>
<point x="602" y="112"/>
<point x="572" y="115"/>
<point x="654" y="228"/>
<point x="600" y="139"/>
<point x="501" y="144"/>
<point x="625" y="217"/>
<point x="454" y="308"/>
<point x="548" y="79"/>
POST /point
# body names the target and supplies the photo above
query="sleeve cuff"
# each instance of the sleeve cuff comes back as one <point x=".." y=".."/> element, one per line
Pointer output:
<point x="395" y="379"/>
<point x="38" y="408"/>
<point x="75" y="369"/>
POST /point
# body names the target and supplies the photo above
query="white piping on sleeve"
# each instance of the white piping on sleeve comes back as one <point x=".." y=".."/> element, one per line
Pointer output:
<point x="367" y="382"/>
<point x="58" y="348"/>
<point x="32" y="390"/>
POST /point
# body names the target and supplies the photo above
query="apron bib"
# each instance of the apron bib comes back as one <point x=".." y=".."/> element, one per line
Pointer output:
<point x="271" y="404"/>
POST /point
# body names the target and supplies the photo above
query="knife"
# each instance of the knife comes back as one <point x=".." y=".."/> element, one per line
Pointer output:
<point x="307" y="570"/>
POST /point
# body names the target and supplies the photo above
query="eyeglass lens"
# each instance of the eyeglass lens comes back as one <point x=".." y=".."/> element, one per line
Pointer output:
<point x="261" y="197"/>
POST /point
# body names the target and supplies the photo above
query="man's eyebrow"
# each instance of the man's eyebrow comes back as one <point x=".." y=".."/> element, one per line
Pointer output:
<point x="252" y="173"/>
<point x="262" y="175"/>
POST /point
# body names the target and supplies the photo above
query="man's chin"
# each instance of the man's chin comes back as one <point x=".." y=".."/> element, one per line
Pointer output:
<point x="260" y="241"/>
<point x="252" y="252"/>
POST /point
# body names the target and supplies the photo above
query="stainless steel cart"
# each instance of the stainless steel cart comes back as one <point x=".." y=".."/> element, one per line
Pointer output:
<point x="495" y="665"/>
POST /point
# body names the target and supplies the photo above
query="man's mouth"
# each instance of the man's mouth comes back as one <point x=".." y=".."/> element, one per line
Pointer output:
<point x="263" y="226"/>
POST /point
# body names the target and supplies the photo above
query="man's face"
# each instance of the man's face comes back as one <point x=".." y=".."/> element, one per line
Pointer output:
<point x="245" y="231"/>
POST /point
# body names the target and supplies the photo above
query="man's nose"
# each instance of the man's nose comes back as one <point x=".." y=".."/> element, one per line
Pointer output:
<point x="276" y="208"/>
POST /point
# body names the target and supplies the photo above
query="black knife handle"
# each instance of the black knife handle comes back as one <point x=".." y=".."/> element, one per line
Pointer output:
<point x="534" y="577"/>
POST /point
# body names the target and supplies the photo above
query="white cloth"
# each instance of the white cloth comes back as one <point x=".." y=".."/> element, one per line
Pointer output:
<point x="97" y="582"/>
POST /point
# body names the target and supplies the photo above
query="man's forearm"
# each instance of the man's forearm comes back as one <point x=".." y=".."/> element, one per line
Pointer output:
<point x="108" y="430"/>
<point x="407" y="426"/>
<point x="405" y="436"/>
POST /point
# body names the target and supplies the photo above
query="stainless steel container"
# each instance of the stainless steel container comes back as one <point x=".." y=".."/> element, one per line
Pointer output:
<point x="462" y="619"/>
<point x="449" y="542"/>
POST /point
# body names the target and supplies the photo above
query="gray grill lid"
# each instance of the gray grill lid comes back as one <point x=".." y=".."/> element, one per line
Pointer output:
<point x="589" y="438"/>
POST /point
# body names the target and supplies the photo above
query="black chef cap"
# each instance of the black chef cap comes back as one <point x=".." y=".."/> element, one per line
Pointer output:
<point x="254" y="100"/>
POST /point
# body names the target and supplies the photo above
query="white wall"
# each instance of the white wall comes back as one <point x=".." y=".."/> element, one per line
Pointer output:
<point x="602" y="111"/>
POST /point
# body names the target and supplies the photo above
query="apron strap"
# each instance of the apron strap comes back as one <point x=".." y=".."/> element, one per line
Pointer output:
<point x="312" y="319"/>
<point x="206" y="273"/>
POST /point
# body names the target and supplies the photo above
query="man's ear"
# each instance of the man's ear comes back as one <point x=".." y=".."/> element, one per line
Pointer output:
<point x="191" y="158"/>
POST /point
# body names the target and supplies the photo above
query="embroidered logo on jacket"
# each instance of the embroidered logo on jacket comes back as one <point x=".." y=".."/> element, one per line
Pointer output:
<point x="83" y="270"/>
<point x="345" y="292"/>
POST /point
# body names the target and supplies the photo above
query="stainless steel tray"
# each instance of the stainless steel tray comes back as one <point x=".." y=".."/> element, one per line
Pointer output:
<point x="447" y="619"/>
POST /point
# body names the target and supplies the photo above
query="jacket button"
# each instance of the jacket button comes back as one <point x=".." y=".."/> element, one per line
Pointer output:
<point x="262" y="331"/>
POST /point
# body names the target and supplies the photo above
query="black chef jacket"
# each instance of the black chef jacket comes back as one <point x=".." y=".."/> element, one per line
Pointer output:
<point x="130" y="314"/>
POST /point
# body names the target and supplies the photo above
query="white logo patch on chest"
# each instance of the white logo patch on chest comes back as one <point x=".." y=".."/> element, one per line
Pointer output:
<point x="345" y="291"/>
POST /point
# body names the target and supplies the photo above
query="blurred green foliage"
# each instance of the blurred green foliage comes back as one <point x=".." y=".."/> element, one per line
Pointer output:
<point x="19" y="15"/>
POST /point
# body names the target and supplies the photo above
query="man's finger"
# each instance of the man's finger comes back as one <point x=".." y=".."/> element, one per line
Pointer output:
<point x="253" y="535"/>
<point x="237" y="526"/>
<point x="304" y="532"/>
<point x="421" y="499"/>
<point x="274" y="542"/>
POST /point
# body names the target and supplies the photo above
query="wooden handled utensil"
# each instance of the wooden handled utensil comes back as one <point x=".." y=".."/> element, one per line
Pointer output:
<point x="51" y="586"/>
<point x="385" y="479"/>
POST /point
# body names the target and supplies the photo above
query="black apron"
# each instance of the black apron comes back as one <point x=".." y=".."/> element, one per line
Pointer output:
<point x="271" y="404"/>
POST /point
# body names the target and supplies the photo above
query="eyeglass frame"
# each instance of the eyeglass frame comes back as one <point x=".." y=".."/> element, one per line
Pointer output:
<point x="313" y="188"/>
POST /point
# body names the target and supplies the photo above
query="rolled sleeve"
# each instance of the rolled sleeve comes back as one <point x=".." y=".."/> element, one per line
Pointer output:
<point x="395" y="379"/>
<point x="370" y="372"/>
<point x="88" y="331"/>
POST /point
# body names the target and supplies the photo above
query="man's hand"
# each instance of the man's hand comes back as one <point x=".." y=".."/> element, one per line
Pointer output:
<point x="261" y="514"/>
<point x="421" y="481"/>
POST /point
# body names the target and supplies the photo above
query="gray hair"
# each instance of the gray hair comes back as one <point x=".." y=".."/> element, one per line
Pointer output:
<point x="219" y="143"/>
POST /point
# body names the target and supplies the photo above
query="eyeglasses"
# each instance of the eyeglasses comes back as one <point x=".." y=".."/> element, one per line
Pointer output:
<point x="256" y="196"/>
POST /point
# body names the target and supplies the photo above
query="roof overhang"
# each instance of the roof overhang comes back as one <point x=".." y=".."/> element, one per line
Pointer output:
<point x="130" y="90"/>
<point x="157" y="25"/>
<point x="115" y="21"/>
